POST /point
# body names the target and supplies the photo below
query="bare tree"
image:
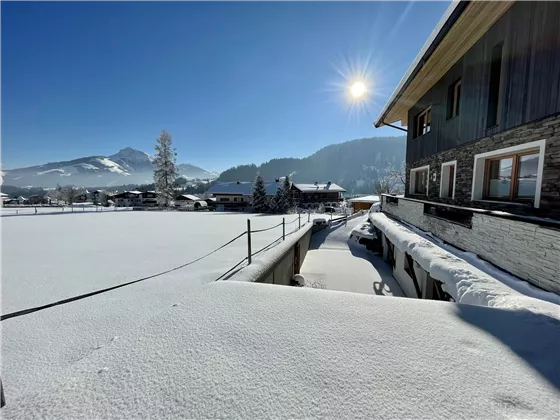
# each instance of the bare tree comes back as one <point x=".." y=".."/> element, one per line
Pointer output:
<point x="397" y="175"/>
<point x="69" y="194"/>
<point x="103" y="198"/>
<point x="382" y="186"/>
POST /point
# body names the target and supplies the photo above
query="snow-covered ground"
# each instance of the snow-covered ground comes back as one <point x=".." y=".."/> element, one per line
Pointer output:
<point x="246" y="350"/>
<point x="182" y="346"/>
<point x="51" y="257"/>
<point x="46" y="258"/>
<point x="76" y="208"/>
<point x="335" y="261"/>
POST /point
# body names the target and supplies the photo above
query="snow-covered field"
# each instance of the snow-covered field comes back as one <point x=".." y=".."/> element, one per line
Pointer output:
<point x="76" y="208"/>
<point x="46" y="258"/>
<point x="51" y="257"/>
<point x="182" y="346"/>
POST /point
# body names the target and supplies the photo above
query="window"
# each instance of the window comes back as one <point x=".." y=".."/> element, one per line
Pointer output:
<point x="453" y="99"/>
<point x="512" y="177"/>
<point x="224" y="198"/>
<point x="447" y="181"/>
<point x="510" y="174"/>
<point x="419" y="180"/>
<point x="423" y="122"/>
<point x="494" y="87"/>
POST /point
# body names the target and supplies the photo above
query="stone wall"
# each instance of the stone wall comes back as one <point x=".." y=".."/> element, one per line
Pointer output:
<point x="548" y="129"/>
<point x="527" y="250"/>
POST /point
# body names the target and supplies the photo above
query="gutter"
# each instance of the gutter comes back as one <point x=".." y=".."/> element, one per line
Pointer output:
<point x="445" y="24"/>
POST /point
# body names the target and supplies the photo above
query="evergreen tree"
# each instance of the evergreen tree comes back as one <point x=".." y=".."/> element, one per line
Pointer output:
<point x="165" y="172"/>
<point x="279" y="201"/>
<point x="259" y="195"/>
<point x="288" y="195"/>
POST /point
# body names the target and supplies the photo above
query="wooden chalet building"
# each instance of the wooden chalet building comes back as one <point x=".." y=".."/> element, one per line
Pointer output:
<point x="238" y="195"/>
<point x="313" y="195"/>
<point x="481" y="103"/>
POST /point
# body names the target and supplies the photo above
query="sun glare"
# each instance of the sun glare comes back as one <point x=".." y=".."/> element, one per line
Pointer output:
<point x="358" y="89"/>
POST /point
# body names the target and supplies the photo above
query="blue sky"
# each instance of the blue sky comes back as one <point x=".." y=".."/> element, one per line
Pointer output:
<point x="233" y="83"/>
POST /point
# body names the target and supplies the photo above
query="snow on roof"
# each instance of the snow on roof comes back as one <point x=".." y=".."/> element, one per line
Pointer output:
<point x="241" y="188"/>
<point x="134" y="192"/>
<point x="461" y="279"/>
<point x="189" y="197"/>
<point x="319" y="187"/>
<point x="366" y="199"/>
<point x="246" y="350"/>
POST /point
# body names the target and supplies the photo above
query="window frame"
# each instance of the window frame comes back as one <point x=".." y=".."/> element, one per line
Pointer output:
<point x="479" y="171"/>
<point x="441" y="186"/>
<point x="412" y="182"/>
<point x="495" y="86"/>
<point x="514" y="184"/>
<point x="418" y="132"/>
<point x="453" y="100"/>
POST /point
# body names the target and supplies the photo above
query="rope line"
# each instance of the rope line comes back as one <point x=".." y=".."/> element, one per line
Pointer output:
<point x="266" y="247"/>
<point x="232" y="268"/>
<point x="264" y="230"/>
<point x="97" y="292"/>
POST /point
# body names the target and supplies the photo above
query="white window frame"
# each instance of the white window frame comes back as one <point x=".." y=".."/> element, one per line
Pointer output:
<point x="443" y="165"/>
<point x="412" y="185"/>
<point x="480" y="164"/>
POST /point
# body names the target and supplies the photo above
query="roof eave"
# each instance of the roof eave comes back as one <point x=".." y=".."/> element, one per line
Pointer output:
<point x="450" y="16"/>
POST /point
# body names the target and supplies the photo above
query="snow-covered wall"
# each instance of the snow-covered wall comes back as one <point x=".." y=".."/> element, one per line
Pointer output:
<point x="276" y="266"/>
<point x="527" y="250"/>
<point x="463" y="279"/>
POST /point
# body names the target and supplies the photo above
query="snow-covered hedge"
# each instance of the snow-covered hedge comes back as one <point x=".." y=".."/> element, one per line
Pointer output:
<point x="462" y="280"/>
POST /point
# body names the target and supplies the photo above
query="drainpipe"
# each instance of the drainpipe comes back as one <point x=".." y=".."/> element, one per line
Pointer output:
<point x="393" y="126"/>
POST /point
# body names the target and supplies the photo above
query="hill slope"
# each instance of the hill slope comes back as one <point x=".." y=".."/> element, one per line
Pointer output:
<point x="128" y="166"/>
<point x="354" y="165"/>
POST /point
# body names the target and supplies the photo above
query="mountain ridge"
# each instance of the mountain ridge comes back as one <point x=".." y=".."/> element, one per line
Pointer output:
<point x="127" y="166"/>
<point x="354" y="164"/>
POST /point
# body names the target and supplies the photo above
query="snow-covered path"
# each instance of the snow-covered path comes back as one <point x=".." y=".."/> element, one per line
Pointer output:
<point x="336" y="263"/>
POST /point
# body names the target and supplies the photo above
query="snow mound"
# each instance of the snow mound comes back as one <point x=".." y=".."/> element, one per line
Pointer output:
<point x="245" y="350"/>
<point x="465" y="282"/>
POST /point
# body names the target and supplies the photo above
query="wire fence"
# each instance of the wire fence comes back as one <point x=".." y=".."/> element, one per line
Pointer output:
<point x="248" y="258"/>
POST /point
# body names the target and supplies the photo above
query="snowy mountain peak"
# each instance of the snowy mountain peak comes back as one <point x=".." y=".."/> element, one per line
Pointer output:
<point x="128" y="154"/>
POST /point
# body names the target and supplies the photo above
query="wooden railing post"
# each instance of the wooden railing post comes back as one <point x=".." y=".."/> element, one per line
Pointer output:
<point x="249" y="241"/>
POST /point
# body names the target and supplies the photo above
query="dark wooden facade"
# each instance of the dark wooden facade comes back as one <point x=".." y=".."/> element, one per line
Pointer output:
<point x="529" y="81"/>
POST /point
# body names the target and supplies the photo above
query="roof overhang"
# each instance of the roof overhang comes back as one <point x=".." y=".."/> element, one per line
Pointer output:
<point x="463" y="23"/>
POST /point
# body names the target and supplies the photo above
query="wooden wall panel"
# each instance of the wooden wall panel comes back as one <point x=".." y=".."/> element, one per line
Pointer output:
<point x="530" y="80"/>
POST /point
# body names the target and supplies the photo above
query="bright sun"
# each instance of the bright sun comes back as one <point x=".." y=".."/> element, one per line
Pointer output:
<point x="357" y="90"/>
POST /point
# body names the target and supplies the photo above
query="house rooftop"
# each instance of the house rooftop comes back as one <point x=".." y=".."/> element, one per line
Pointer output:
<point x="247" y="350"/>
<point x="365" y="199"/>
<point x="326" y="187"/>
<point x="189" y="197"/>
<point x="241" y="188"/>
<point x="462" y="24"/>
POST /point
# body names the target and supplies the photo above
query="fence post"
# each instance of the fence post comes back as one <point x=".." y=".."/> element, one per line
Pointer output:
<point x="2" y="398"/>
<point x="283" y="228"/>
<point x="249" y="241"/>
<point x="299" y="220"/>
<point x="308" y="217"/>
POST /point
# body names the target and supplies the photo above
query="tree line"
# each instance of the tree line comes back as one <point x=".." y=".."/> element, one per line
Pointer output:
<point x="281" y="203"/>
